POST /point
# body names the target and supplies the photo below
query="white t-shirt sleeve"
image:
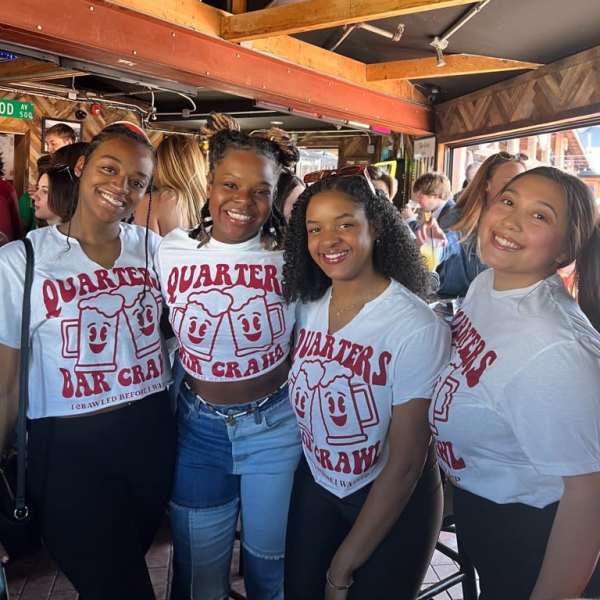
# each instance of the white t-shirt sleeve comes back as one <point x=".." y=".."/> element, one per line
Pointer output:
<point x="553" y="407"/>
<point x="12" y="282"/>
<point x="419" y="361"/>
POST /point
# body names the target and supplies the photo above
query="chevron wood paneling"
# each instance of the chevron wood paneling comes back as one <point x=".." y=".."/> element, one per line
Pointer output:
<point x="567" y="89"/>
<point x="58" y="109"/>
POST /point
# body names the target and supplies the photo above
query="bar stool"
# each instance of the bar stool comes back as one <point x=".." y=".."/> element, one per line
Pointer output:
<point x="465" y="575"/>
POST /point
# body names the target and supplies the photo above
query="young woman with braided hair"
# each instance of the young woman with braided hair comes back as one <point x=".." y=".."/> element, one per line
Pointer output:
<point x="238" y="444"/>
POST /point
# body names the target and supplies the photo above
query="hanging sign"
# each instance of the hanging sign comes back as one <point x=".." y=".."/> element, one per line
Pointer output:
<point x="15" y="109"/>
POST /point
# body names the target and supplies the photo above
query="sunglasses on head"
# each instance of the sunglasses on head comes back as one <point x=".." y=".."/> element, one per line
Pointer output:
<point x="349" y="171"/>
<point x="508" y="156"/>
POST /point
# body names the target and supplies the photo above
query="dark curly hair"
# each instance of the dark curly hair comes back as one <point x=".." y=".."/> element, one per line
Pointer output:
<point x="273" y="228"/>
<point x="395" y="254"/>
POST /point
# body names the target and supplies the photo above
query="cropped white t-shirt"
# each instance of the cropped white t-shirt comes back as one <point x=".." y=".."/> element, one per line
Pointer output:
<point x="343" y="385"/>
<point x="225" y="306"/>
<point x="518" y="405"/>
<point x="94" y="332"/>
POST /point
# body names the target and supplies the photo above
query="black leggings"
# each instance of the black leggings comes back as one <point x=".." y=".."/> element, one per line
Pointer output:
<point x="100" y="485"/>
<point x="318" y="522"/>
<point x="506" y="543"/>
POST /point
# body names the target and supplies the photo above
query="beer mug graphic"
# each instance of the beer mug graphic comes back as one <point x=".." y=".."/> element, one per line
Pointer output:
<point x="92" y="339"/>
<point x="303" y="387"/>
<point x="143" y="316"/>
<point x="347" y="408"/>
<point x="198" y="324"/>
<point x="252" y="321"/>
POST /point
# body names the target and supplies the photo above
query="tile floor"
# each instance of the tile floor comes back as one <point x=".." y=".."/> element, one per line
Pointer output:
<point x="37" y="578"/>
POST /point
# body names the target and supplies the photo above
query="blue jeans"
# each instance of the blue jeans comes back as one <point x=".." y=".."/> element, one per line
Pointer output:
<point x="225" y="470"/>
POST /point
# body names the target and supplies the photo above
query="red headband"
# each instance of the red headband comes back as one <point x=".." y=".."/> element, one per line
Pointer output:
<point x="132" y="127"/>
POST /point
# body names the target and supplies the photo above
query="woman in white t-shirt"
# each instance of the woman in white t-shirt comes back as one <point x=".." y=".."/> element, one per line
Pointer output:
<point x="101" y="432"/>
<point x="366" y="503"/>
<point x="238" y="444"/>
<point x="516" y="413"/>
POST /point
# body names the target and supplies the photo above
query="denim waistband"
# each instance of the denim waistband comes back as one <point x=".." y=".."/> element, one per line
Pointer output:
<point x="230" y="412"/>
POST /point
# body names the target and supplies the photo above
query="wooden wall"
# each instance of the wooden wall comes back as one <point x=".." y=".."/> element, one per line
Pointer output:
<point x="565" y="90"/>
<point x="31" y="142"/>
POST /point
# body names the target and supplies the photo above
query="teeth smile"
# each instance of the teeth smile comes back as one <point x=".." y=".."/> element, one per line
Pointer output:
<point x="504" y="243"/>
<point x="112" y="200"/>
<point x="240" y="217"/>
<point x="335" y="256"/>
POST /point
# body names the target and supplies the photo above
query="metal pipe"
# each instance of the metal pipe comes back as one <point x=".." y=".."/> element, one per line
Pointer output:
<point x="346" y="31"/>
<point x="384" y="33"/>
<point x="464" y="19"/>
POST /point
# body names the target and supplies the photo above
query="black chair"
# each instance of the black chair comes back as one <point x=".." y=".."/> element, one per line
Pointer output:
<point x="465" y="575"/>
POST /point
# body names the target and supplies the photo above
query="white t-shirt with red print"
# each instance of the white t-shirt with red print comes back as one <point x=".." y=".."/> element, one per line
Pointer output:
<point x="343" y="385"/>
<point x="225" y="306"/>
<point x="518" y="406"/>
<point x="95" y="338"/>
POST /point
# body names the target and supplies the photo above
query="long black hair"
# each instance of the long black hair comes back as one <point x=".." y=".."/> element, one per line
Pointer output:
<point x="395" y="254"/>
<point x="273" y="228"/>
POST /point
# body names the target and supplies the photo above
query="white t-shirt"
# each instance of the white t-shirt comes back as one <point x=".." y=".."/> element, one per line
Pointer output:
<point x="343" y="386"/>
<point x="225" y="306"/>
<point x="95" y="338"/>
<point x="518" y="406"/>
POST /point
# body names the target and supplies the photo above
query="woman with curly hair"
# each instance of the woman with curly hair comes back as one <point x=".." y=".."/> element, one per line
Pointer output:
<point x="367" y="501"/>
<point x="238" y="444"/>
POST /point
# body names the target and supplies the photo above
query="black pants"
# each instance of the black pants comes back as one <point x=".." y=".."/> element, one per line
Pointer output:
<point x="100" y="485"/>
<point x="319" y="521"/>
<point x="506" y="543"/>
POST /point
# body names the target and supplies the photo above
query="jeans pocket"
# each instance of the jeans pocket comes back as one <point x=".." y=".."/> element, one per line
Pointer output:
<point x="279" y="415"/>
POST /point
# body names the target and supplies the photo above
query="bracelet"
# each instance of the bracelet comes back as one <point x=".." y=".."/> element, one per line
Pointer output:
<point x="338" y="588"/>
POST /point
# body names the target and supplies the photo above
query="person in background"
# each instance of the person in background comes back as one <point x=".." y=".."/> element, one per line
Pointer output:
<point x="101" y="433"/>
<point x="460" y="263"/>
<point x="383" y="182"/>
<point x="59" y="135"/>
<point x="515" y="413"/>
<point x="179" y="184"/>
<point x="55" y="196"/>
<point x="433" y="194"/>
<point x="26" y="207"/>
<point x="10" y="225"/>
<point x="56" y="137"/>
<point x="470" y="173"/>
<point x="366" y="505"/>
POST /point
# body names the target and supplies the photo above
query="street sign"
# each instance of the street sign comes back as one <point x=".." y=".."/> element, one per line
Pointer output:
<point x="15" y="109"/>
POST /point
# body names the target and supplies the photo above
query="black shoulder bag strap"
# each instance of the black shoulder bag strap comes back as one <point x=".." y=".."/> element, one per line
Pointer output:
<point x="21" y="509"/>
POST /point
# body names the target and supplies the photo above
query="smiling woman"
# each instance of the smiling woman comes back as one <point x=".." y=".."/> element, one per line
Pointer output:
<point x="238" y="443"/>
<point x="97" y="366"/>
<point x="368" y="494"/>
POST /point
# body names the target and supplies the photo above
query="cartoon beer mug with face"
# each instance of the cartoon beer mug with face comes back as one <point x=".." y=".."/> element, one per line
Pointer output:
<point x="92" y="339"/>
<point x="255" y="324"/>
<point x="142" y="314"/>
<point x="198" y="324"/>
<point x="347" y="407"/>
<point x="303" y="388"/>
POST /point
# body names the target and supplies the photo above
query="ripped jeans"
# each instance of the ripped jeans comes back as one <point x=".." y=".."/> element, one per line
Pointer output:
<point x="224" y="470"/>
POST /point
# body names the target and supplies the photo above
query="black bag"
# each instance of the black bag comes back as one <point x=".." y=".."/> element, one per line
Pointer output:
<point x="18" y="531"/>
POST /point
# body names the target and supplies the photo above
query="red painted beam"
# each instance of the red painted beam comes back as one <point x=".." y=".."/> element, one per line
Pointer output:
<point x="107" y="35"/>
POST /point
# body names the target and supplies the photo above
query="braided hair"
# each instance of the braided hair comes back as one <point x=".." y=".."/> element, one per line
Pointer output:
<point x="224" y="140"/>
<point x="395" y="254"/>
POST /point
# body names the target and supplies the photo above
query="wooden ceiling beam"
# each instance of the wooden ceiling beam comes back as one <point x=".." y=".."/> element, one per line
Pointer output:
<point x="456" y="64"/>
<point x="322" y="14"/>
<point x="28" y="69"/>
<point x="189" y="14"/>
<point x="141" y="45"/>
<point x="323" y="61"/>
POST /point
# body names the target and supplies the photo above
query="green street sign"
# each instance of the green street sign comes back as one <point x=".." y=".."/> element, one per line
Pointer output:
<point x="15" y="109"/>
